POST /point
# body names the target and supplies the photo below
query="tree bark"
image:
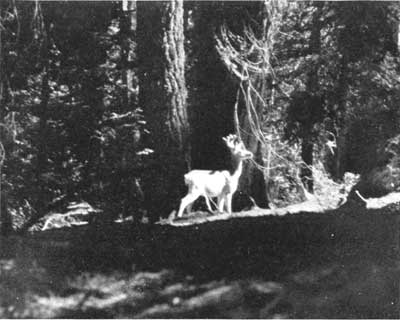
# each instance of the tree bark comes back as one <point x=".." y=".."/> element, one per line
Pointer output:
<point x="307" y="145"/>
<point x="339" y="159"/>
<point x="211" y="104"/>
<point x="253" y="181"/>
<point x="128" y="27"/>
<point x="307" y="148"/>
<point x="1" y="73"/>
<point x="43" y="115"/>
<point x="41" y="155"/>
<point x="163" y="96"/>
<point x="5" y="218"/>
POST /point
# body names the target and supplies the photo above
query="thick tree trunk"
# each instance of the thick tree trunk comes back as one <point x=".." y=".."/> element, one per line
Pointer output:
<point x="339" y="158"/>
<point x="1" y="74"/>
<point x="211" y="104"/>
<point x="254" y="177"/>
<point x="5" y="218"/>
<point x="307" y="145"/>
<point x="163" y="95"/>
<point x="307" y="148"/>
<point x="42" y="133"/>
<point x="253" y="181"/>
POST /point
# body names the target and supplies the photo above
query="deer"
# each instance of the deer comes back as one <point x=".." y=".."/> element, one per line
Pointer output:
<point x="220" y="184"/>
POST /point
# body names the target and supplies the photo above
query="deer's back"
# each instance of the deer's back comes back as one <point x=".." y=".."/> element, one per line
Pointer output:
<point x="210" y="181"/>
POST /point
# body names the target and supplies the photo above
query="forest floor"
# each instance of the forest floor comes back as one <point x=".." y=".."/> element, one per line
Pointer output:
<point x="258" y="264"/>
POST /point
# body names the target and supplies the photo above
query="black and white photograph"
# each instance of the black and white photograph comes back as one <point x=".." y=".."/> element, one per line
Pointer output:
<point x="199" y="159"/>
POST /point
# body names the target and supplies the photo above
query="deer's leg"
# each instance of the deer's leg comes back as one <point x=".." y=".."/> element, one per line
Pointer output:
<point x="189" y="207"/>
<point x="221" y="201"/>
<point x="208" y="202"/>
<point x="187" y="200"/>
<point x="229" y="202"/>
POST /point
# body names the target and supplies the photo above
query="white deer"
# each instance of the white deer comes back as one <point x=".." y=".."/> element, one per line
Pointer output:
<point x="217" y="184"/>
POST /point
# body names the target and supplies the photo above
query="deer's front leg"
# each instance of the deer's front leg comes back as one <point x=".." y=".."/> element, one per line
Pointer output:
<point x="189" y="199"/>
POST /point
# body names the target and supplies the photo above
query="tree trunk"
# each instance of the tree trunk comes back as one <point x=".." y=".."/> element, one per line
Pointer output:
<point x="307" y="145"/>
<point x="340" y="155"/>
<point x="252" y="181"/>
<point x="307" y="148"/>
<point x="43" y="115"/>
<point x="5" y="218"/>
<point x="1" y="73"/>
<point x="128" y="27"/>
<point x="211" y="104"/>
<point x="41" y="156"/>
<point x="163" y="95"/>
<point x="128" y="35"/>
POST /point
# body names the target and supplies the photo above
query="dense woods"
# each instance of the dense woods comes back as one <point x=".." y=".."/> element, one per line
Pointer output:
<point x="111" y="103"/>
<point x="106" y="105"/>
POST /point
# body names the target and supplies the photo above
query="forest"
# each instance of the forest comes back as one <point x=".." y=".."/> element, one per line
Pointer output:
<point x="105" y="106"/>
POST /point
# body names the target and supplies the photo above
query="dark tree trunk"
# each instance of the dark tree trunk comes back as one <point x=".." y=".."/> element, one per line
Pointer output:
<point x="43" y="115"/>
<point x="1" y="74"/>
<point x="307" y="145"/>
<point x="307" y="148"/>
<point x="340" y="155"/>
<point x="163" y="95"/>
<point x="211" y="104"/>
<point x="5" y="218"/>
<point x="253" y="181"/>
<point x="41" y="156"/>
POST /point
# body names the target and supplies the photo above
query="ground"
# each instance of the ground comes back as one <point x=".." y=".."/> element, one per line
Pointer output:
<point x="260" y="264"/>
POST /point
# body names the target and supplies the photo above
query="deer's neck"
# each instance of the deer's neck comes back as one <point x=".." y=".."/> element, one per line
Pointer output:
<point x="236" y="167"/>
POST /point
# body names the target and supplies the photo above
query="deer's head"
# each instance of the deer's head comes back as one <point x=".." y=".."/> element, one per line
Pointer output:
<point x="237" y="147"/>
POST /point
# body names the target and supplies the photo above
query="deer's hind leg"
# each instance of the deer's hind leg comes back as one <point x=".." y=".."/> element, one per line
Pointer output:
<point x="221" y="202"/>
<point x="208" y="202"/>
<point x="228" y="203"/>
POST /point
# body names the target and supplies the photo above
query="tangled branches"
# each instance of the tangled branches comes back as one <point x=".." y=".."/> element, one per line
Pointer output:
<point x="251" y="58"/>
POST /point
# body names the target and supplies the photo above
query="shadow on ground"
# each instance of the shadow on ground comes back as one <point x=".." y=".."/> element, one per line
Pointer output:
<point x="307" y="265"/>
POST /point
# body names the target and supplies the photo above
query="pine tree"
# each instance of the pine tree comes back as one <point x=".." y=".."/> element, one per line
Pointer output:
<point x="162" y="95"/>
